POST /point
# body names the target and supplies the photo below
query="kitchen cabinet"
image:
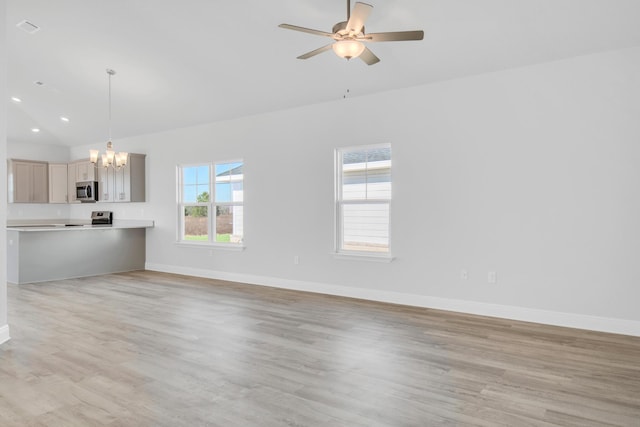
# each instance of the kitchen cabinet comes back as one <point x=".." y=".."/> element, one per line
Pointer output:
<point x="72" y="170"/>
<point x="106" y="183"/>
<point x="85" y="171"/>
<point x="58" y="183"/>
<point x="77" y="171"/>
<point x="126" y="184"/>
<point x="28" y="181"/>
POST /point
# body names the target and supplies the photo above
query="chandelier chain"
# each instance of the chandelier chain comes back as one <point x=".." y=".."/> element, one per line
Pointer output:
<point x="110" y="72"/>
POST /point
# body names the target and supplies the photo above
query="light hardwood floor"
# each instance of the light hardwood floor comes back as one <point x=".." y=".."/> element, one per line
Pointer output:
<point x="152" y="349"/>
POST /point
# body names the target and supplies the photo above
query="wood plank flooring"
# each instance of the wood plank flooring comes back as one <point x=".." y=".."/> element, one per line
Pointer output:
<point x="152" y="349"/>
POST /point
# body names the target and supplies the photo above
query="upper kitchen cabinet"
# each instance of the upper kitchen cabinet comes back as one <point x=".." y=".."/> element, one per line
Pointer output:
<point x="58" y="183"/>
<point x="126" y="184"/>
<point x="85" y="171"/>
<point x="72" y="176"/>
<point x="78" y="171"/>
<point x="28" y="181"/>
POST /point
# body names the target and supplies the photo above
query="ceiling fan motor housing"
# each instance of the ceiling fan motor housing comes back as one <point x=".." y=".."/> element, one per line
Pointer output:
<point x="340" y="29"/>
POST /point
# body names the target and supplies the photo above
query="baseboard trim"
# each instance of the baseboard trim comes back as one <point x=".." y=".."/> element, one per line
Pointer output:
<point x="4" y="334"/>
<point x="546" y="317"/>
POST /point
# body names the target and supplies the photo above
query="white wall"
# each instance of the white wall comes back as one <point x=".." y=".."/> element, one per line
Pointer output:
<point x="531" y="172"/>
<point x="40" y="152"/>
<point x="4" y="328"/>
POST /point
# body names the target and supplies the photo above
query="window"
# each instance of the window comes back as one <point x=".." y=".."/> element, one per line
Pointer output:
<point x="211" y="203"/>
<point x="363" y="198"/>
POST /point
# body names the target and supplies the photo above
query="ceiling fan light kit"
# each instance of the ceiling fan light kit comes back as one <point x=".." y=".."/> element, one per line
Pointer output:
<point x="349" y="36"/>
<point x="348" y="48"/>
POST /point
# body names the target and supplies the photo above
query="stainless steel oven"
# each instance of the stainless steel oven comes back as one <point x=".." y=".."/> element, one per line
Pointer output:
<point x="104" y="218"/>
<point x="87" y="191"/>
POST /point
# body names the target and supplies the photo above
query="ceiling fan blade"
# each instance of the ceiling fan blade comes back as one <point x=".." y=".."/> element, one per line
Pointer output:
<point x="396" y="36"/>
<point x="368" y="57"/>
<point x="305" y="30"/>
<point x="315" y="52"/>
<point x="361" y="12"/>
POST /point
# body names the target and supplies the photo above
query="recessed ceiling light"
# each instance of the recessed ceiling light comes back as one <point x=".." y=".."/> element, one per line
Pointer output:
<point x="16" y="99"/>
<point x="35" y="130"/>
<point x="64" y="119"/>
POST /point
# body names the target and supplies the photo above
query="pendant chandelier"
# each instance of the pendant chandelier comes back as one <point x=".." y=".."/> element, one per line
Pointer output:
<point x="109" y="157"/>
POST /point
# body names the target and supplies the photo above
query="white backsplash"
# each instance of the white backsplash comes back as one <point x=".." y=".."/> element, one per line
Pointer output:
<point x="37" y="211"/>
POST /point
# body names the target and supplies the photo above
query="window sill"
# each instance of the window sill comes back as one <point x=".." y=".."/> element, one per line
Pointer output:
<point x="360" y="256"/>
<point x="220" y="246"/>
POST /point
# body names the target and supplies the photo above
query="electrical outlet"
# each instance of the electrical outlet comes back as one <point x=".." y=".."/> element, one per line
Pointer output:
<point x="464" y="274"/>
<point x="296" y="260"/>
<point x="492" y="277"/>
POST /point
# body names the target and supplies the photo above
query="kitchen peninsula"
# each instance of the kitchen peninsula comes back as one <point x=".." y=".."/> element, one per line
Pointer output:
<point x="40" y="251"/>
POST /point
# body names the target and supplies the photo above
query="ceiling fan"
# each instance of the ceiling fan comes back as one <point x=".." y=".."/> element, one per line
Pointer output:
<point x="349" y="35"/>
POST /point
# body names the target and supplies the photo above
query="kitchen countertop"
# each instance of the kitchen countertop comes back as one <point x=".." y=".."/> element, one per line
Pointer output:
<point x="75" y="225"/>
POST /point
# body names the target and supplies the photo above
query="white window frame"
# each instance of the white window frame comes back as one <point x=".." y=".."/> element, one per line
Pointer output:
<point x="210" y="205"/>
<point x="339" y="250"/>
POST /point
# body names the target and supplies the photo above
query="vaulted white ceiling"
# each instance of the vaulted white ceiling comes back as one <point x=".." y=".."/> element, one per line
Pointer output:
<point x="187" y="62"/>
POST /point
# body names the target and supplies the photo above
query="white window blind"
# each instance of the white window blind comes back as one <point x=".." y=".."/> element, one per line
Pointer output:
<point x="363" y="199"/>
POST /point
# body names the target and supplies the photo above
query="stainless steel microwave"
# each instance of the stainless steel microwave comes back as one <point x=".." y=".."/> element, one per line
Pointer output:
<point x="87" y="191"/>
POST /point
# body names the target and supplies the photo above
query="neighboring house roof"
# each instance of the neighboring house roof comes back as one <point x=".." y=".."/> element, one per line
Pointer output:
<point x="370" y="155"/>
<point x="235" y="171"/>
